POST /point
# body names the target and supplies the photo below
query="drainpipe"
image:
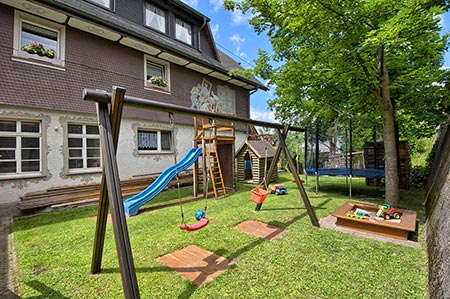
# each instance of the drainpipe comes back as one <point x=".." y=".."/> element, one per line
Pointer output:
<point x="205" y="21"/>
<point x="248" y="102"/>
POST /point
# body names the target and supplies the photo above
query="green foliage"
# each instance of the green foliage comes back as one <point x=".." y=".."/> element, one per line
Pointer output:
<point x="328" y="57"/>
<point x="38" y="49"/>
<point x="54" y="251"/>
<point x="420" y="151"/>
<point x="419" y="175"/>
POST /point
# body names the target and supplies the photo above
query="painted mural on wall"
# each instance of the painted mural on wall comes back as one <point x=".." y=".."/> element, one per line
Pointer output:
<point x="204" y="98"/>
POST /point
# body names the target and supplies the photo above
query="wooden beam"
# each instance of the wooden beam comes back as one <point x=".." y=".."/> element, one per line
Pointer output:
<point x="103" y="205"/>
<point x="112" y="181"/>
<point x="105" y="97"/>
<point x="273" y="165"/>
<point x="304" y="196"/>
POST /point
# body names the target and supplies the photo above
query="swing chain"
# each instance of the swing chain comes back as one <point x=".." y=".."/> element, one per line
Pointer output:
<point x="171" y="122"/>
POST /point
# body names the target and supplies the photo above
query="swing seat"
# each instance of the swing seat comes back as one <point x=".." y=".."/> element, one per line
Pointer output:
<point x="196" y="226"/>
<point x="259" y="195"/>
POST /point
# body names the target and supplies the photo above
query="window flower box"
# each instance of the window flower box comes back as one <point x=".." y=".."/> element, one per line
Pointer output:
<point x="158" y="81"/>
<point x="37" y="48"/>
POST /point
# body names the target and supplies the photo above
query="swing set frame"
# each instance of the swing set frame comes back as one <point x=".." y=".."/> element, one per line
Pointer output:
<point x="109" y="114"/>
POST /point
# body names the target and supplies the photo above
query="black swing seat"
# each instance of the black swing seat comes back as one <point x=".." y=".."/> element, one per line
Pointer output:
<point x="196" y="226"/>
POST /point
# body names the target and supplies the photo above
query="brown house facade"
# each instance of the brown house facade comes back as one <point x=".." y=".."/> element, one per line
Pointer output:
<point x="52" y="50"/>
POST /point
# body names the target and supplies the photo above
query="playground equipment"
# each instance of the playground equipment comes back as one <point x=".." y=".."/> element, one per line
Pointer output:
<point x="259" y="195"/>
<point x="132" y="204"/>
<point x="109" y="127"/>
<point x="349" y="171"/>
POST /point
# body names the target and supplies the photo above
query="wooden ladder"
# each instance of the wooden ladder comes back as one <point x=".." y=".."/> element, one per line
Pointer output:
<point x="215" y="171"/>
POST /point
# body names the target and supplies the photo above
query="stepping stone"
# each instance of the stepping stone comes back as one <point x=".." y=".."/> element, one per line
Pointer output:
<point x="196" y="264"/>
<point x="261" y="229"/>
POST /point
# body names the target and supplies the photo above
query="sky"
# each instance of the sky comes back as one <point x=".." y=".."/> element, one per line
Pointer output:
<point x="235" y="37"/>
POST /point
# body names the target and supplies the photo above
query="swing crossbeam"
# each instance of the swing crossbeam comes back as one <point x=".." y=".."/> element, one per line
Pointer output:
<point x="105" y="97"/>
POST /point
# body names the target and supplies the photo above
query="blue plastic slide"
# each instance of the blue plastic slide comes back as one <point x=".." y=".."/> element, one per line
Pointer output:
<point x="133" y="203"/>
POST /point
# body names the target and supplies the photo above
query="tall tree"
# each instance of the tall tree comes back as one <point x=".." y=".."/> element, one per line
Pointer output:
<point x="356" y="56"/>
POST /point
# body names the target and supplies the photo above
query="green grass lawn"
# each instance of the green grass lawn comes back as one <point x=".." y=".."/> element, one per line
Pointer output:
<point x="54" y="250"/>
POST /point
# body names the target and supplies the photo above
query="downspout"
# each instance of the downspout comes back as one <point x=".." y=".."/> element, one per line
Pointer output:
<point x="248" y="102"/>
<point x="205" y="21"/>
<point x="253" y="91"/>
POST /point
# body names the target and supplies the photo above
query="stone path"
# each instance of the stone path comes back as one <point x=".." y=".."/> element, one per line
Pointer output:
<point x="6" y="217"/>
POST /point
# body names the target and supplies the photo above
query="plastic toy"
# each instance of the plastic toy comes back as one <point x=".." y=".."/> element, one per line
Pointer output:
<point x="278" y="189"/>
<point x="386" y="212"/>
<point x="302" y="181"/>
<point x="357" y="214"/>
<point x="199" y="214"/>
<point x="259" y="195"/>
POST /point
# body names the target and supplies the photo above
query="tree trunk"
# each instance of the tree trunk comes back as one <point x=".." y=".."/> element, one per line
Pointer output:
<point x="390" y="156"/>
<point x="389" y="133"/>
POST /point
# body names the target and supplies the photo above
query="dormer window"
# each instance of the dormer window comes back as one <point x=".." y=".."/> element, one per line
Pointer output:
<point x="183" y="31"/>
<point x="155" y="18"/>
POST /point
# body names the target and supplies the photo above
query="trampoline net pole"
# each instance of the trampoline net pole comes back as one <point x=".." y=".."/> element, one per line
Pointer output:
<point x="317" y="182"/>
<point x="350" y="187"/>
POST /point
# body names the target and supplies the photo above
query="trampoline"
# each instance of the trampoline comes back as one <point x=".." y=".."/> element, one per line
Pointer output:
<point x="370" y="173"/>
<point x="349" y="170"/>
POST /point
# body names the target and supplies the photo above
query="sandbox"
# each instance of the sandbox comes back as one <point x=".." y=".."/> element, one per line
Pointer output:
<point x="398" y="229"/>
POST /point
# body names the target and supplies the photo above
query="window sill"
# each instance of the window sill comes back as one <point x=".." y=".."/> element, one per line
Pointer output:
<point x="84" y="171"/>
<point x="141" y="152"/>
<point x="157" y="88"/>
<point x="21" y="176"/>
<point x="35" y="59"/>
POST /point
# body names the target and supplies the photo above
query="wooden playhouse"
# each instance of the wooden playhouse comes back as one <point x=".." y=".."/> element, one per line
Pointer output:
<point x="253" y="160"/>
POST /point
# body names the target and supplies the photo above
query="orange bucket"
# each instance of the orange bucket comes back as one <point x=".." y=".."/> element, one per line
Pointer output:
<point x="259" y="195"/>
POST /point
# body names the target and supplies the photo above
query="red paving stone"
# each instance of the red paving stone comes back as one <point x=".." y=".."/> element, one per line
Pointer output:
<point x="261" y="229"/>
<point x="195" y="264"/>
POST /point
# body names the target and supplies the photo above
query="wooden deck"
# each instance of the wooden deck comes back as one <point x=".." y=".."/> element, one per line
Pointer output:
<point x="89" y="193"/>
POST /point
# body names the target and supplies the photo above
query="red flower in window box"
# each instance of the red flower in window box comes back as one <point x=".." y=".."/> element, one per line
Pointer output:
<point x="38" y="49"/>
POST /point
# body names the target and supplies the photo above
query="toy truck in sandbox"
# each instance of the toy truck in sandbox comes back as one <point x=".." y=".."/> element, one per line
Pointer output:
<point x="387" y="212"/>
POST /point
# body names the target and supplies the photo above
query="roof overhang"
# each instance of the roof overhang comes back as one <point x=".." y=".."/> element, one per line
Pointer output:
<point x="81" y="15"/>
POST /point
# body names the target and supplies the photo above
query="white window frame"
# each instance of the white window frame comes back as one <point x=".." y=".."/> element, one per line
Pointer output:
<point x="166" y="69"/>
<point x="18" y="135"/>
<point x="58" y="62"/>
<point x="159" y="149"/>
<point x="102" y="3"/>
<point x="182" y="29"/>
<point x="153" y="13"/>
<point x="84" y="148"/>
